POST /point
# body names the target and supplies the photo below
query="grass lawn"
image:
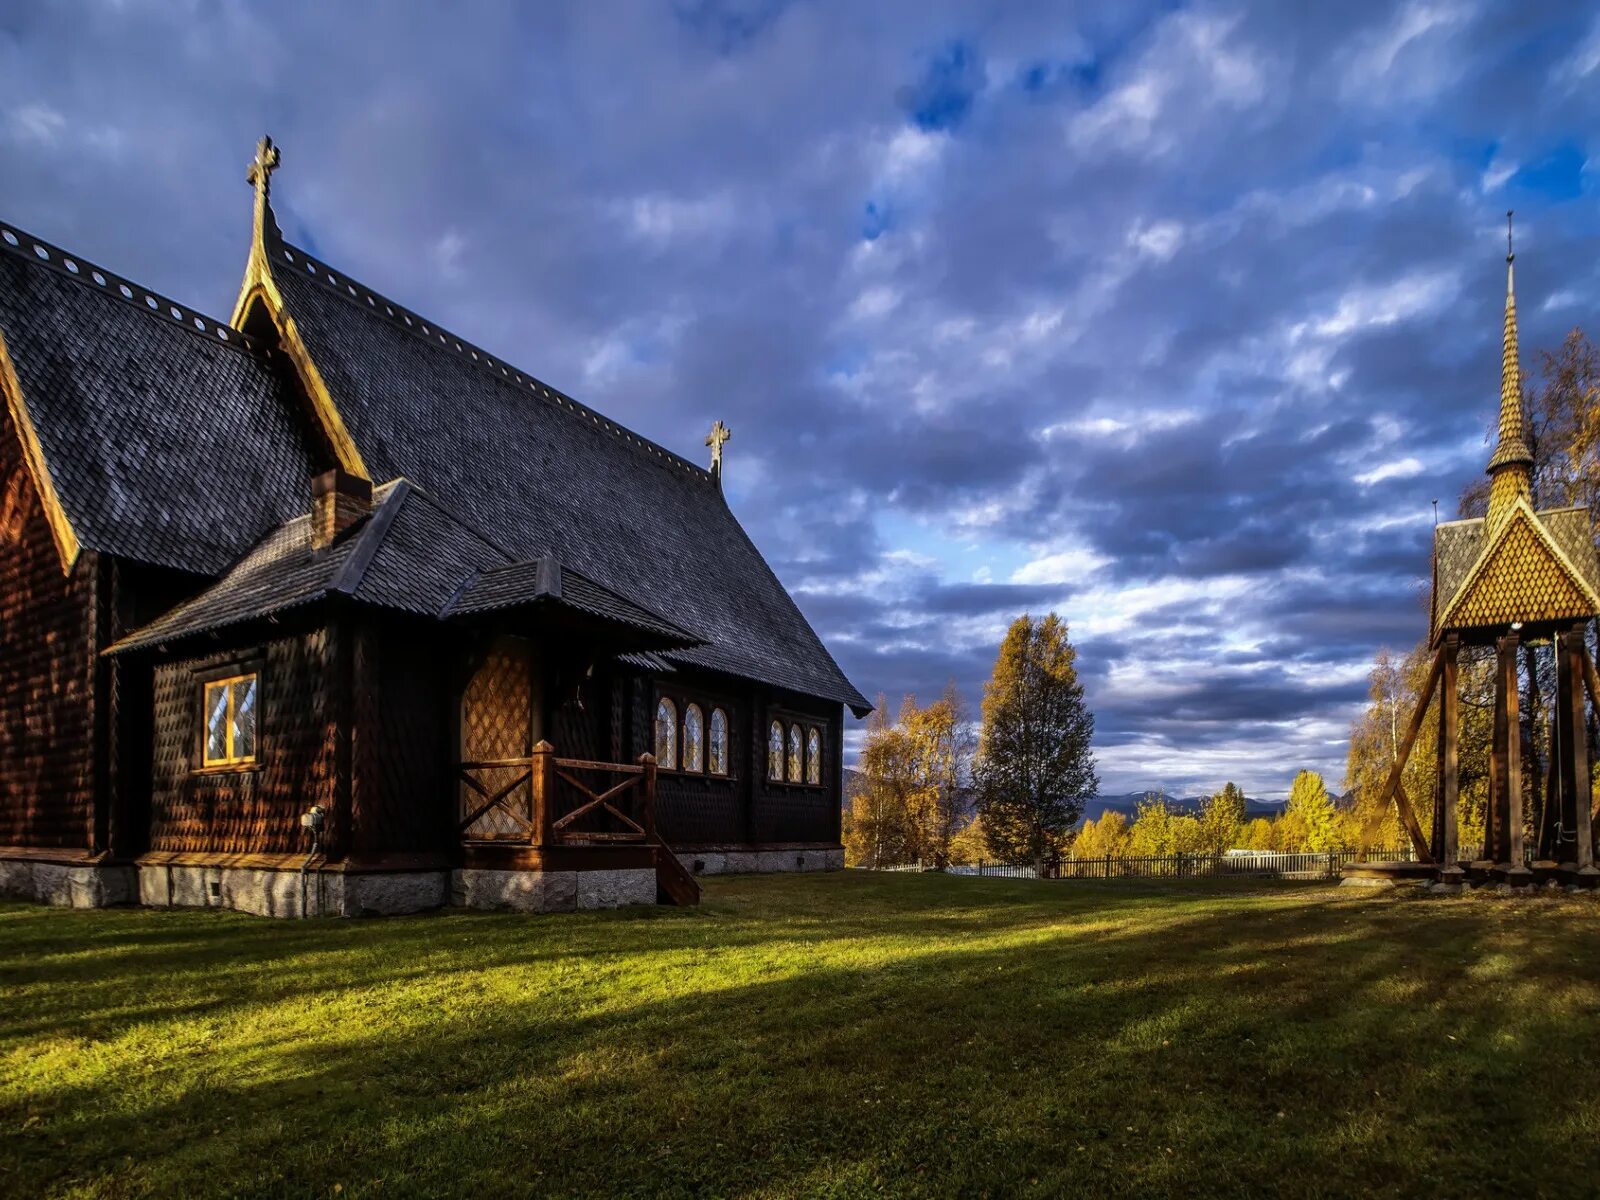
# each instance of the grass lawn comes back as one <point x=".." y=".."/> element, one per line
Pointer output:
<point x="814" y="1035"/>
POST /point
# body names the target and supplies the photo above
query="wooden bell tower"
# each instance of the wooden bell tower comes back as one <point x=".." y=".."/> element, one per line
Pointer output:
<point x="1515" y="577"/>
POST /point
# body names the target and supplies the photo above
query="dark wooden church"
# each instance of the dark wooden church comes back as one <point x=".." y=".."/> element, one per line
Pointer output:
<point x="326" y="610"/>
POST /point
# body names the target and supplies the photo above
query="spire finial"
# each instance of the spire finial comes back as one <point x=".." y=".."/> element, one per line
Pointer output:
<point x="718" y="438"/>
<point x="1510" y="253"/>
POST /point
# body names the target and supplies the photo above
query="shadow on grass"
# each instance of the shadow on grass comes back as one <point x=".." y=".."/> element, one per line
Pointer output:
<point x="806" y="1036"/>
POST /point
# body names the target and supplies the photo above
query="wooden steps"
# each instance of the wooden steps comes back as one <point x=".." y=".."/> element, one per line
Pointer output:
<point x="675" y="884"/>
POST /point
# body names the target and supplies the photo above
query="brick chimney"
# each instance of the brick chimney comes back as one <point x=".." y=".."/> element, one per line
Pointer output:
<point x="338" y="501"/>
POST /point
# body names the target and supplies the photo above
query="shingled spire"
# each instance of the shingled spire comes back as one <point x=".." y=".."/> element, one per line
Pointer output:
<point x="1511" y="467"/>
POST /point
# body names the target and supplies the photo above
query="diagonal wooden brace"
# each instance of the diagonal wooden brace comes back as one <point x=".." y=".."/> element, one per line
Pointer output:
<point x="601" y="800"/>
<point x="1591" y="679"/>
<point x="1393" y="789"/>
<point x="496" y="799"/>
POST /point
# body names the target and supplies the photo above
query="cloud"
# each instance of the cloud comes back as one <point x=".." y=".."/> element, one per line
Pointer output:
<point x="662" y="219"/>
<point x="36" y="123"/>
<point x="1192" y="60"/>
<point x="1400" y="468"/>
<point x="1405" y="56"/>
<point x="1584" y="60"/>
<point x="1063" y="566"/>
<point x="1157" y="239"/>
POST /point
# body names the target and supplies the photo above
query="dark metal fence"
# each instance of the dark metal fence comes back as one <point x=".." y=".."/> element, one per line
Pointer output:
<point x="1258" y="864"/>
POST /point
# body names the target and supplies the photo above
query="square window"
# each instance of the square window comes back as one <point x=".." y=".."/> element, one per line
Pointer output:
<point x="229" y="708"/>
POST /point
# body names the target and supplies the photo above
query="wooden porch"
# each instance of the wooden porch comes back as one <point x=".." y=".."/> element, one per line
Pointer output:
<point x="542" y="811"/>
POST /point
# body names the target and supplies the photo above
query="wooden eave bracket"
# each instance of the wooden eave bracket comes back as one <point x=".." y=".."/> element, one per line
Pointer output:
<point x="61" y="531"/>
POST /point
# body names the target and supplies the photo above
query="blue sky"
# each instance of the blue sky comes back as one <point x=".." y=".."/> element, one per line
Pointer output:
<point x="1173" y="318"/>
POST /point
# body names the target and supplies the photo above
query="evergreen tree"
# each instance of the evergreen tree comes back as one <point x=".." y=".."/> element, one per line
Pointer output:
<point x="1035" y="767"/>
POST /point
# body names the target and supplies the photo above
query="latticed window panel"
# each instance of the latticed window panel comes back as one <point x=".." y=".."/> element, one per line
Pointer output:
<point x="694" y="742"/>
<point x="796" y="763"/>
<point x="1521" y="581"/>
<point x="813" y="756"/>
<point x="497" y="723"/>
<point x="775" y="751"/>
<point x="216" y="723"/>
<point x="230" y="722"/>
<point x="666" y="734"/>
<point x="717" y="743"/>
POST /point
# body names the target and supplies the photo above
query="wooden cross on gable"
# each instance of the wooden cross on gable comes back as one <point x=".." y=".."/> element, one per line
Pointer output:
<point x="720" y="434"/>
<point x="266" y="162"/>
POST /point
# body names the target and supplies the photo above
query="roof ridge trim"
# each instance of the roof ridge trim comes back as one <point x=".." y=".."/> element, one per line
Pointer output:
<point x="37" y="465"/>
<point x="471" y="577"/>
<point x="449" y="513"/>
<point x="352" y="290"/>
<point x="354" y="570"/>
<point x="38" y="252"/>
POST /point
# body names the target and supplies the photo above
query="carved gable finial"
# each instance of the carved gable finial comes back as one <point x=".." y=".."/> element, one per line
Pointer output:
<point x="718" y="438"/>
<point x="266" y="161"/>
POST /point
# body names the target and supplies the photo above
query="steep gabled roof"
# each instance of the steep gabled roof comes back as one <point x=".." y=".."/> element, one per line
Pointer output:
<point x="410" y="555"/>
<point x="1531" y="566"/>
<point x="544" y="476"/>
<point x="159" y="436"/>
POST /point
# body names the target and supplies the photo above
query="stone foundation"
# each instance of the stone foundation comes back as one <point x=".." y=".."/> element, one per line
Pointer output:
<point x="388" y="894"/>
<point x="269" y="893"/>
<point x="67" y="885"/>
<point x="551" y="891"/>
<point x="752" y="862"/>
<point x="281" y="893"/>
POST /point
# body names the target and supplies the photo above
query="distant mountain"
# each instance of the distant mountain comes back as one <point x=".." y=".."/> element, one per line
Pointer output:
<point x="854" y="782"/>
<point x="1128" y="804"/>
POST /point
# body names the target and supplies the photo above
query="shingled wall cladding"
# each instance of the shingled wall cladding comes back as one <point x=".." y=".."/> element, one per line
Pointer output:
<point x="46" y="671"/>
<point x="254" y="811"/>
<point x="786" y="812"/>
<point x="401" y="788"/>
<point x="746" y="808"/>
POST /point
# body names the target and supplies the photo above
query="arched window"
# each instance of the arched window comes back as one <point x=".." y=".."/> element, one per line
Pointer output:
<point x="694" y="739"/>
<point x="718" y="745"/>
<point x="813" y="756"/>
<point x="667" y="735"/>
<point x="796" y="767"/>
<point x="775" y="751"/>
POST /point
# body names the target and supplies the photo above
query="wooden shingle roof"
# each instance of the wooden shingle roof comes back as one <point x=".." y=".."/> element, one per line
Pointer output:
<point x="543" y="475"/>
<point x="1536" y="567"/>
<point x="410" y="555"/>
<point x="166" y="440"/>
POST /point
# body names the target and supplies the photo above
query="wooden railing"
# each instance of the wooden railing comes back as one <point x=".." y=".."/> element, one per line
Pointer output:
<point x="638" y="785"/>
<point x="559" y="806"/>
